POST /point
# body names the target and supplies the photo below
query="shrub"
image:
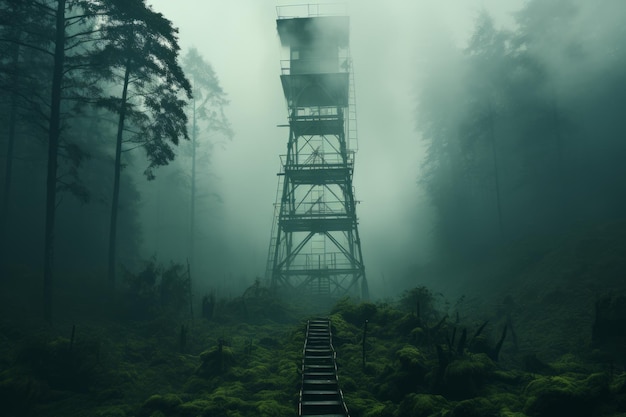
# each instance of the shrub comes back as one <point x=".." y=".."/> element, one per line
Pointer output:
<point x="156" y="290"/>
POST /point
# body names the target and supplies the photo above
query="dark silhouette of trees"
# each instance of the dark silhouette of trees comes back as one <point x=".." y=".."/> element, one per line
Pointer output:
<point x="54" y="54"/>
<point x="486" y="78"/>
<point x="207" y="119"/>
<point x="25" y="75"/>
<point x="141" y="55"/>
<point x="10" y="86"/>
<point x="71" y="24"/>
<point x="522" y="127"/>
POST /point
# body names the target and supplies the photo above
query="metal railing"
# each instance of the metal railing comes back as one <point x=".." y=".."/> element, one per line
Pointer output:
<point x="311" y="10"/>
<point x="317" y="160"/>
<point x="314" y="66"/>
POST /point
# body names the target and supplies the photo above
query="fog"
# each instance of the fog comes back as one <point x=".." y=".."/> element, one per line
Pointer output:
<point x="481" y="125"/>
<point x="136" y="217"/>
<point x="388" y="42"/>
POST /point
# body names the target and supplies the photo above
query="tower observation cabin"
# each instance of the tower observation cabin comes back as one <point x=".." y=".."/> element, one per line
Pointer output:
<point x="315" y="247"/>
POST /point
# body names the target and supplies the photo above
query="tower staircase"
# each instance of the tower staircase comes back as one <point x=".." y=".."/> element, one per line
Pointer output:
<point x="320" y="395"/>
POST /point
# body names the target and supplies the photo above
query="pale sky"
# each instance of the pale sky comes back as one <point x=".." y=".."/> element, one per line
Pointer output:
<point x="388" y="41"/>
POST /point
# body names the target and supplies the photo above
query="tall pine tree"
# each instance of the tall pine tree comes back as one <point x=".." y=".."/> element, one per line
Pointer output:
<point x="141" y="57"/>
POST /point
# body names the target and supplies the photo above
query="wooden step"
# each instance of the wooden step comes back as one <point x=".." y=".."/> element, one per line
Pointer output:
<point x="319" y="375"/>
<point x="342" y="414"/>
<point x="319" y="336"/>
<point x="312" y="366"/>
<point x="321" y="407"/>
<point x="320" y="395"/>
<point x="319" y="384"/>
<point x="327" y="395"/>
<point x="311" y="351"/>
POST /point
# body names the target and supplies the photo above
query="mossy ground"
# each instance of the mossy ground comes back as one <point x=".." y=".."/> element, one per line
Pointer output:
<point x="423" y="358"/>
<point x="138" y="369"/>
<point x="252" y="369"/>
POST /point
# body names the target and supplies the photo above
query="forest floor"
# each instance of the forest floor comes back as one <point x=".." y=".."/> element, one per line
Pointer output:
<point x="563" y="306"/>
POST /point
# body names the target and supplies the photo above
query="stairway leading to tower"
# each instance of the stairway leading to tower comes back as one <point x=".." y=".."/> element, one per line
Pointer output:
<point x="320" y="394"/>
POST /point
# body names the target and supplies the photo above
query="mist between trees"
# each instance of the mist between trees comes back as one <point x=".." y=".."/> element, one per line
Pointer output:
<point x="88" y="85"/>
<point x="523" y="127"/>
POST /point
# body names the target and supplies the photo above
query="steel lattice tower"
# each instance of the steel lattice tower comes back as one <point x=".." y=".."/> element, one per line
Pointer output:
<point x="315" y="246"/>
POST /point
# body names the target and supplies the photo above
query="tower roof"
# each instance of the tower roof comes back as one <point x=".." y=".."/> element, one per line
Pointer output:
<point x="304" y="31"/>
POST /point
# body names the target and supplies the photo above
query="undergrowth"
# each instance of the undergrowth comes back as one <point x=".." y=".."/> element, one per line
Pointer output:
<point x="412" y="357"/>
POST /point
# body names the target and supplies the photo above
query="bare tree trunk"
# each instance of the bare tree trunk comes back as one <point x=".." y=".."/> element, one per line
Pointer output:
<point x="496" y="170"/>
<point x="116" y="180"/>
<point x="4" y="214"/>
<point x="54" y="132"/>
<point x="192" y="206"/>
<point x="561" y="212"/>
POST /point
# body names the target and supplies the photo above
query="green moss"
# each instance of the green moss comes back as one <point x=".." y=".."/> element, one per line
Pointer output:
<point x="464" y="377"/>
<point x="506" y="401"/>
<point x="273" y="408"/>
<point x="18" y="392"/>
<point x="361" y="404"/>
<point x="58" y="363"/>
<point x="403" y="325"/>
<point x="194" y="408"/>
<point x="618" y="384"/>
<point x="231" y="389"/>
<point x="342" y="331"/>
<point x="216" y="361"/>
<point x="421" y="405"/>
<point x="411" y="359"/>
<point x="274" y="394"/>
<point x="230" y="398"/>
<point x="475" y="407"/>
<point x="381" y="410"/>
<point x="512" y="377"/>
<point x="354" y="313"/>
<point x="505" y="412"/>
<point x="387" y="316"/>
<point x="347" y="383"/>
<point x="260" y="378"/>
<point x="377" y="410"/>
<point x="418" y="335"/>
<point x="569" y="363"/>
<point x="405" y="375"/>
<point x="568" y="394"/>
<point x="163" y="403"/>
<point x="197" y="385"/>
<point x="113" y="411"/>
<point x="257" y="374"/>
<point x="288" y="370"/>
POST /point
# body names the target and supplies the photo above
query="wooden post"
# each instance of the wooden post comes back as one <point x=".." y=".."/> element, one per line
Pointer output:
<point x="190" y="292"/>
<point x="364" y="338"/>
<point x="72" y="337"/>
